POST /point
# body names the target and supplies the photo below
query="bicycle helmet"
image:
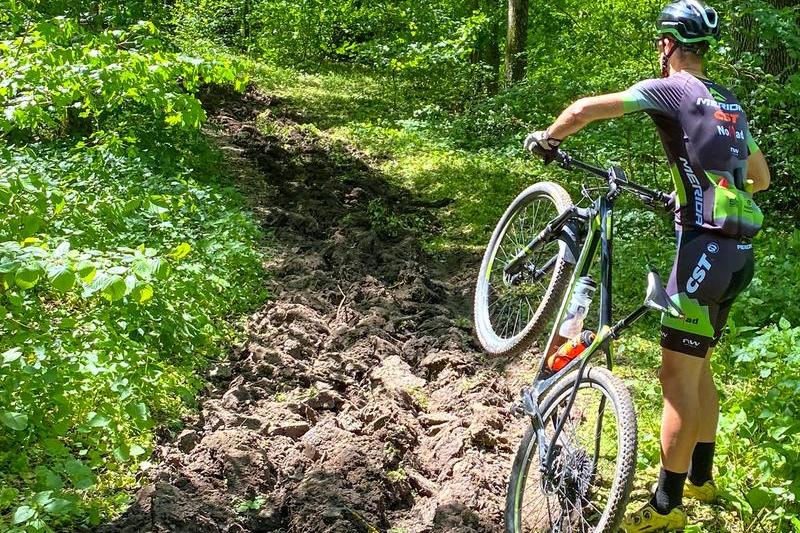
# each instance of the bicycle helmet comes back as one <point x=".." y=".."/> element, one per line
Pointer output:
<point x="689" y="22"/>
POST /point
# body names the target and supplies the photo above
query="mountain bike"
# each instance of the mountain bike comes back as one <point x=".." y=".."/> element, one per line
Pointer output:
<point x="574" y="467"/>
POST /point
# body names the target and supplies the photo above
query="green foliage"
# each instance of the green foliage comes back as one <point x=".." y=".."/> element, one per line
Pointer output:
<point x="760" y="62"/>
<point x="759" y="440"/>
<point x="60" y="79"/>
<point x="121" y="256"/>
<point x="108" y="310"/>
<point x="769" y="296"/>
<point x="92" y="14"/>
<point x="428" y="45"/>
<point x="251" y="505"/>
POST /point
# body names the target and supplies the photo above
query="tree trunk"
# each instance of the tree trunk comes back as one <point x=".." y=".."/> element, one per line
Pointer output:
<point x="486" y="51"/>
<point x="475" y="56"/>
<point x="492" y="54"/>
<point x="246" y="23"/>
<point x="516" y="40"/>
<point x="776" y="58"/>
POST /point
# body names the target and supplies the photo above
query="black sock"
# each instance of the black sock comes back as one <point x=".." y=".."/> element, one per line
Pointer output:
<point x="669" y="492"/>
<point x="702" y="461"/>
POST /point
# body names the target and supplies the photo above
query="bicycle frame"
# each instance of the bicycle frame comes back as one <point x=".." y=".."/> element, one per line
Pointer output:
<point x="600" y="219"/>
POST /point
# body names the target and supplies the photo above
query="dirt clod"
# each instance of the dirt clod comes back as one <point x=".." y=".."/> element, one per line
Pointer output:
<point x="357" y="402"/>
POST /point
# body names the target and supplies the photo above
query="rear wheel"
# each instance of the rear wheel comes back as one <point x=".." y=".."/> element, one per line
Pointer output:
<point x="587" y="488"/>
<point x="511" y="309"/>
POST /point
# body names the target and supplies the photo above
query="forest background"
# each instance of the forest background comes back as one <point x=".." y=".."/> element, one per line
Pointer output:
<point x="126" y="256"/>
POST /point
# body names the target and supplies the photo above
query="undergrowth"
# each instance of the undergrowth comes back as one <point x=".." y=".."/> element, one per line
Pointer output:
<point x="421" y="148"/>
<point x="124" y="257"/>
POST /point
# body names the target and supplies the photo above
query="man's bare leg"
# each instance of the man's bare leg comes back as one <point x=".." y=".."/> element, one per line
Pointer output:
<point x="680" y="424"/>
<point x="680" y="377"/>
<point x="703" y="453"/>
<point x="709" y="403"/>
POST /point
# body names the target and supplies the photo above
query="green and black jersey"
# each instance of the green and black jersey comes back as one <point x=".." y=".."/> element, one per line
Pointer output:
<point x="707" y="141"/>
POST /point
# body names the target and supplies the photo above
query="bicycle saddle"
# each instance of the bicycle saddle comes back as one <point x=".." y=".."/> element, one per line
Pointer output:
<point x="657" y="298"/>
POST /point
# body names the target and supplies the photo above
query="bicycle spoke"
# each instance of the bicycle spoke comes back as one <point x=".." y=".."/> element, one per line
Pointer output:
<point x="505" y="328"/>
<point x="584" y="467"/>
<point x="536" y="216"/>
<point x="513" y="299"/>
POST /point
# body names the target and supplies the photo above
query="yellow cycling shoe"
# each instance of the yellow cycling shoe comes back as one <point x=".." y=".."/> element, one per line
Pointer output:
<point x="647" y="520"/>
<point x="706" y="493"/>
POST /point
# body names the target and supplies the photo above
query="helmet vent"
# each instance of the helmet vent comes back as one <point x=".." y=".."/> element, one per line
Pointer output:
<point x="690" y="21"/>
<point x="708" y="13"/>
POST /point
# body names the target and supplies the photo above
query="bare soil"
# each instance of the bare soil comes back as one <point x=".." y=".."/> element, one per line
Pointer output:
<point x="359" y="402"/>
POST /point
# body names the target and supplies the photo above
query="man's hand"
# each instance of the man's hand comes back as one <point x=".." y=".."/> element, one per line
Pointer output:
<point x="540" y="143"/>
<point x="669" y="204"/>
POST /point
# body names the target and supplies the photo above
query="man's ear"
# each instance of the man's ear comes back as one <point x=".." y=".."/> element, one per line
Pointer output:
<point x="669" y="44"/>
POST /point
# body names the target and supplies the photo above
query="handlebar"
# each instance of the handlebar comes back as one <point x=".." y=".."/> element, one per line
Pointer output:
<point x="616" y="179"/>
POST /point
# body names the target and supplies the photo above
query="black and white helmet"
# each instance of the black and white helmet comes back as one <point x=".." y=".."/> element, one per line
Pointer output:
<point x="689" y="22"/>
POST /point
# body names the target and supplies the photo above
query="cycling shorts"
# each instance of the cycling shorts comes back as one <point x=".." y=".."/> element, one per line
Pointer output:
<point x="709" y="272"/>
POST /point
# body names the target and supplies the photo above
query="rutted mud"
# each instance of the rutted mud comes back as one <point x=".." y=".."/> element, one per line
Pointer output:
<point x="360" y="401"/>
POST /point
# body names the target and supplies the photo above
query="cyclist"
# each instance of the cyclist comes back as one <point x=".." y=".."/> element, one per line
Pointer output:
<point x="716" y="166"/>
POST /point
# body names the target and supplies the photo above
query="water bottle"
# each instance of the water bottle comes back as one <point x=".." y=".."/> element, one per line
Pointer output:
<point x="578" y="307"/>
<point x="570" y="350"/>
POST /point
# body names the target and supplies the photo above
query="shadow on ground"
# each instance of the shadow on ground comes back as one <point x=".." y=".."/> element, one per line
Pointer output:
<point x="359" y="401"/>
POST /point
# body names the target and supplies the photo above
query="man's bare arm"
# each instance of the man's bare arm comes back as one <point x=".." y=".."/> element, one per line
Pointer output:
<point x="758" y="171"/>
<point x="586" y="110"/>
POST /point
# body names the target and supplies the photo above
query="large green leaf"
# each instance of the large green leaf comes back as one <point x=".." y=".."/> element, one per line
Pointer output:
<point x="180" y="251"/>
<point x="161" y="268"/>
<point x="86" y="270"/>
<point x="61" y="277"/>
<point x="11" y="355"/>
<point x="97" y="420"/>
<point x="22" y="514"/>
<point x="80" y="474"/>
<point x="14" y="420"/>
<point x="142" y="293"/>
<point x="136" y="450"/>
<point x="115" y="288"/>
<point x="27" y="276"/>
<point x="58" y="506"/>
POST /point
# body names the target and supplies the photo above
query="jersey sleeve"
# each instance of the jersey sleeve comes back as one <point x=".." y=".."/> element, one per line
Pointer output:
<point x="661" y="95"/>
<point x="752" y="147"/>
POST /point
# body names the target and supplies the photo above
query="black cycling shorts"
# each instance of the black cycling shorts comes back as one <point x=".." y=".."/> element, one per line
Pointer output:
<point x="708" y="274"/>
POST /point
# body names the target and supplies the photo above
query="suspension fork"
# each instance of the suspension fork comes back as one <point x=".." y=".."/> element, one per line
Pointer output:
<point x="553" y="230"/>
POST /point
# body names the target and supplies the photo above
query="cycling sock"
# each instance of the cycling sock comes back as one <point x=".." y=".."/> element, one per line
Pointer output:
<point x="702" y="461"/>
<point x="669" y="491"/>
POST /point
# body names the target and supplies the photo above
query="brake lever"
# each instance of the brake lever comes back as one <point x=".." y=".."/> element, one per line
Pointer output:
<point x="585" y="192"/>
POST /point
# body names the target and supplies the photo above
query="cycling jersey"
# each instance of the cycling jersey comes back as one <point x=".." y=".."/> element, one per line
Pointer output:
<point x="707" y="141"/>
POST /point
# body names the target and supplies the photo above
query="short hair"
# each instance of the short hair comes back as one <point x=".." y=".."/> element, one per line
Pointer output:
<point x="698" y="49"/>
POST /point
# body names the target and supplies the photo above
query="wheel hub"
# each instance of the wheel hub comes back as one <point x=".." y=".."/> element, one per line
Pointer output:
<point x="571" y="473"/>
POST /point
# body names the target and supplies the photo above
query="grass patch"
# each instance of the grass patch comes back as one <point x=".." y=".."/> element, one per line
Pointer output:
<point x="417" y="146"/>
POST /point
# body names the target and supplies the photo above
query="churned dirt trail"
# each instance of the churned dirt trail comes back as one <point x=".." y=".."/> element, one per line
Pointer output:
<point x="359" y="402"/>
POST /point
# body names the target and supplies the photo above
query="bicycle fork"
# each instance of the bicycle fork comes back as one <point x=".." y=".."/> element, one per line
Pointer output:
<point x="531" y="396"/>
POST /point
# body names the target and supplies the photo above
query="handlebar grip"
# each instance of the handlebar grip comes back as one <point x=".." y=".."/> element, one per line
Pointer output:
<point x="667" y="200"/>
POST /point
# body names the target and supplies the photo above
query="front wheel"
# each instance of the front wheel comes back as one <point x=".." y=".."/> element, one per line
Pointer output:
<point x="512" y="308"/>
<point x="587" y="486"/>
